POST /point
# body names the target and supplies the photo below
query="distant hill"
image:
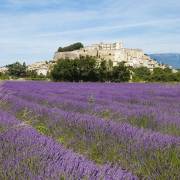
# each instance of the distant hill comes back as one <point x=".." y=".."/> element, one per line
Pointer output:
<point x="172" y="59"/>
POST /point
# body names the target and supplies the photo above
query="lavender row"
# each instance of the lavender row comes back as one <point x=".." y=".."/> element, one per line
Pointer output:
<point x="117" y="110"/>
<point x="35" y="156"/>
<point x="140" y="137"/>
<point x="128" y="105"/>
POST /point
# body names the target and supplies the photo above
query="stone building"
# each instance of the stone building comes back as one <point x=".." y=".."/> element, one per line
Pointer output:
<point x="42" y="68"/>
<point x="114" y="52"/>
<point x="3" y="69"/>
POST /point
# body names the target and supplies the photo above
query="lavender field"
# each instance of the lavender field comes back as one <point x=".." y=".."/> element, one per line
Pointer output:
<point x="89" y="131"/>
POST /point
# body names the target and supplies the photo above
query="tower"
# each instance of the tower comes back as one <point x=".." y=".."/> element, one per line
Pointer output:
<point x="119" y="45"/>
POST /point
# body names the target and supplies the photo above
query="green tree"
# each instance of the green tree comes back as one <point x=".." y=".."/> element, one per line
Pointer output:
<point x="105" y="70"/>
<point x="72" y="47"/>
<point x="163" y="75"/>
<point x="82" y="69"/>
<point x="158" y="75"/>
<point x="110" y="69"/>
<point x="177" y="76"/>
<point x="88" y="68"/>
<point x="31" y="74"/>
<point x="121" y="73"/>
<point x="141" y="74"/>
<point x="4" y="76"/>
<point x="63" y="70"/>
<point x="17" y="70"/>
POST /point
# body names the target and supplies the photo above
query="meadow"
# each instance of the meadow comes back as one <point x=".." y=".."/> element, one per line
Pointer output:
<point x="91" y="131"/>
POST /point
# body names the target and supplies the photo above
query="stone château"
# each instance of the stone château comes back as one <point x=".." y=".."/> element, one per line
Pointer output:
<point x="114" y="52"/>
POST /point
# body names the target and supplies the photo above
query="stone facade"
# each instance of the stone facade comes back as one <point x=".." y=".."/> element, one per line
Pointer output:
<point x="114" y="52"/>
<point x="3" y="69"/>
<point x="40" y="67"/>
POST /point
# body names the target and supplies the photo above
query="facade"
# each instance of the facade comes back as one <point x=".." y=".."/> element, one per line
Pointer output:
<point x="42" y="68"/>
<point x="3" y="69"/>
<point x="106" y="46"/>
<point x="114" y="52"/>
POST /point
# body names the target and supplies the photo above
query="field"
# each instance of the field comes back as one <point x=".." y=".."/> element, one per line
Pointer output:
<point x="89" y="131"/>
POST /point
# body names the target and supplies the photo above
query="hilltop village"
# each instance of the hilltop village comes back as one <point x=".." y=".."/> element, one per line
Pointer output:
<point x="107" y="51"/>
<point x="115" y="52"/>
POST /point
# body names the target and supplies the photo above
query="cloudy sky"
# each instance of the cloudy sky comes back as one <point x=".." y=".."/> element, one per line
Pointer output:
<point x="31" y="30"/>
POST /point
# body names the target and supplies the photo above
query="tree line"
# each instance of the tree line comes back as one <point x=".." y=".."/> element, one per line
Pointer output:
<point x="157" y="75"/>
<point x="91" y="69"/>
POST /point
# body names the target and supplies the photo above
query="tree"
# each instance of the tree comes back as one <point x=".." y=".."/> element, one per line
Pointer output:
<point x="31" y="74"/>
<point x="17" y="70"/>
<point x="141" y="74"/>
<point x="3" y="76"/>
<point x="158" y="75"/>
<point x="110" y="69"/>
<point x="63" y="70"/>
<point x="105" y="70"/>
<point x="84" y="68"/>
<point x="177" y="76"/>
<point x="121" y="73"/>
<point x="163" y="75"/>
<point x="72" y="47"/>
<point x="88" y="68"/>
<point x="24" y="65"/>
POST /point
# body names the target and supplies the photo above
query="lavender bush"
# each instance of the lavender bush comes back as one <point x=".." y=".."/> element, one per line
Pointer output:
<point x="135" y="127"/>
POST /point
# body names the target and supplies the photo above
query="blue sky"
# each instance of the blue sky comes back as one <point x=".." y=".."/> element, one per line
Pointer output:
<point x="32" y="30"/>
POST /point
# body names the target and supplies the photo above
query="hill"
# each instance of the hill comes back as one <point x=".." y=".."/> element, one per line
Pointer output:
<point x="172" y="59"/>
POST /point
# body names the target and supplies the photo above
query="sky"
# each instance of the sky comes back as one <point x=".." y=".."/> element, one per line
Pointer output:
<point x="32" y="30"/>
